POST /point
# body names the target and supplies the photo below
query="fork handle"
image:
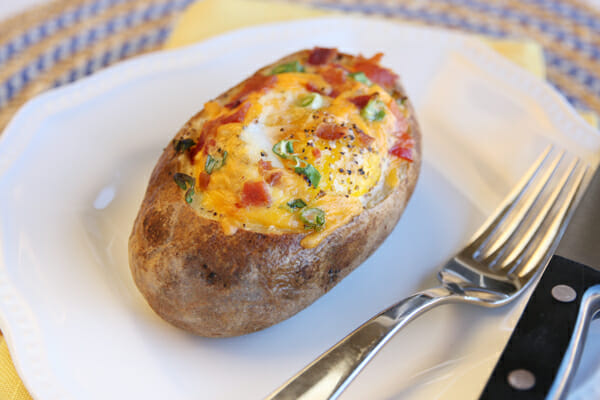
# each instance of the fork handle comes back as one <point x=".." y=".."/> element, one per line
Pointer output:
<point x="330" y="374"/>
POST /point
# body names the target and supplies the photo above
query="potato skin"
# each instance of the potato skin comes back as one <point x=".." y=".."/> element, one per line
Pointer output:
<point x="216" y="285"/>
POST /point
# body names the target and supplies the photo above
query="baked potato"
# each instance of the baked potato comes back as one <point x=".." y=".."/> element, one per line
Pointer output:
<point x="274" y="192"/>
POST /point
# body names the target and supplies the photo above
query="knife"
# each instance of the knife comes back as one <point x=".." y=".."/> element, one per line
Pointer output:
<point x="544" y="349"/>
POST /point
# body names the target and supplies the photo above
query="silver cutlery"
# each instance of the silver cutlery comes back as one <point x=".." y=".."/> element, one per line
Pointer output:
<point x="507" y="254"/>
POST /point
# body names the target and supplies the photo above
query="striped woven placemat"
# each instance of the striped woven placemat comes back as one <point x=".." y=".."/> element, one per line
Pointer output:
<point x="62" y="41"/>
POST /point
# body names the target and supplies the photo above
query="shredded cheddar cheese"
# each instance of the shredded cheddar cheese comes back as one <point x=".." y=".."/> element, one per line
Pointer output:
<point x="299" y="136"/>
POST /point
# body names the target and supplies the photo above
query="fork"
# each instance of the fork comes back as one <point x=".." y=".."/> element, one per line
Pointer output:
<point x="507" y="254"/>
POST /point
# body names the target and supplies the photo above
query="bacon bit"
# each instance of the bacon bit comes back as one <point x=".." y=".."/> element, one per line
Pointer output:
<point x="321" y="55"/>
<point x="376" y="59"/>
<point x="402" y="152"/>
<point x="255" y="194"/>
<point x="333" y="75"/>
<point x="331" y="131"/>
<point x="376" y="73"/>
<point x="401" y="125"/>
<point x="209" y="129"/>
<point x="403" y="147"/>
<point x="273" y="178"/>
<point x="363" y="137"/>
<point x="238" y="116"/>
<point x="361" y="101"/>
<point x="256" y="83"/>
<point x="264" y="166"/>
<point x="203" y="180"/>
<point x="311" y="87"/>
<point x="316" y="153"/>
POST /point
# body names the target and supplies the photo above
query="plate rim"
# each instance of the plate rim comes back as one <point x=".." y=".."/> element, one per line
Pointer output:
<point x="20" y="330"/>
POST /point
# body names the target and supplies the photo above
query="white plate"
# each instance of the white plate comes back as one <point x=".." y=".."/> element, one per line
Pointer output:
<point x="74" y="164"/>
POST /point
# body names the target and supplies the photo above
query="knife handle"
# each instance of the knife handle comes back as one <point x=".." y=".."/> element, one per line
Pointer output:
<point x="542" y="337"/>
<point x="590" y="305"/>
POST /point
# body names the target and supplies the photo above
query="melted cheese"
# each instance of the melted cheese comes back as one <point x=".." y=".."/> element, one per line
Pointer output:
<point x="350" y="171"/>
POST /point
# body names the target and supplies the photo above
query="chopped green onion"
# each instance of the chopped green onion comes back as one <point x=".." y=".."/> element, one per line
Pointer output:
<point x="289" y="67"/>
<point x="213" y="164"/>
<point x="313" y="218"/>
<point x="361" y="77"/>
<point x="183" y="180"/>
<point x="182" y="145"/>
<point x="312" y="100"/>
<point x="296" y="204"/>
<point x="401" y="101"/>
<point x="284" y="149"/>
<point x="374" y="110"/>
<point x="189" y="195"/>
<point x="314" y="177"/>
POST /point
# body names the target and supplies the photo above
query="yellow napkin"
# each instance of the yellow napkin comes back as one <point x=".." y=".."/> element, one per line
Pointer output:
<point x="11" y="386"/>
<point x="208" y="18"/>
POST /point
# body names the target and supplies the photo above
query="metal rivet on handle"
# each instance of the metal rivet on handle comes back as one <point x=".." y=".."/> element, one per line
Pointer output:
<point x="564" y="293"/>
<point x="521" y="379"/>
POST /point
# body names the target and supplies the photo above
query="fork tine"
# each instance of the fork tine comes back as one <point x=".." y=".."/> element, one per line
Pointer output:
<point x="531" y="223"/>
<point x="539" y="249"/>
<point x="495" y="252"/>
<point x="485" y="234"/>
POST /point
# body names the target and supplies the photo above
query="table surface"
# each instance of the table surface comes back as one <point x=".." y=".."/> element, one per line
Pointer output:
<point x="573" y="64"/>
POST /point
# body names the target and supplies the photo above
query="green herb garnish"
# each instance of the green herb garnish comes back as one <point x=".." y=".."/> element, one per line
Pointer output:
<point x="296" y="204"/>
<point x="312" y="100"/>
<point x="182" y="145"/>
<point x="289" y="67"/>
<point x="361" y="77"/>
<point x="284" y="149"/>
<point x="213" y="164"/>
<point x="310" y="172"/>
<point x="374" y="110"/>
<point x="187" y="183"/>
<point x="313" y="218"/>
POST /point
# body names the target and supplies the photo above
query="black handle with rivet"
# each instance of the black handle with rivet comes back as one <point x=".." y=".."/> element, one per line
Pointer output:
<point x="530" y="362"/>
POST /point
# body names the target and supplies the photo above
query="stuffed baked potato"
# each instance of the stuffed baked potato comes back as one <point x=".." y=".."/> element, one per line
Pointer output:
<point x="274" y="192"/>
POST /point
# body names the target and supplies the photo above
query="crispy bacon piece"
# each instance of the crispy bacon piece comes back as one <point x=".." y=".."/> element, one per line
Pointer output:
<point x="265" y="168"/>
<point x="326" y="91"/>
<point x="365" y="139"/>
<point x="209" y="129"/>
<point x="334" y="75"/>
<point x="403" y="147"/>
<point x="256" y="83"/>
<point x="361" y="101"/>
<point x="376" y="73"/>
<point x="255" y="194"/>
<point x="402" y="152"/>
<point x="238" y="116"/>
<point x="401" y="125"/>
<point x="273" y="177"/>
<point x="330" y="131"/>
<point x="203" y="180"/>
<point x="321" y="55"/>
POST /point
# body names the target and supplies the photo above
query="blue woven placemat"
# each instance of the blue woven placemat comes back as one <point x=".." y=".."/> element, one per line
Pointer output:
<point x="62" y="41"/>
